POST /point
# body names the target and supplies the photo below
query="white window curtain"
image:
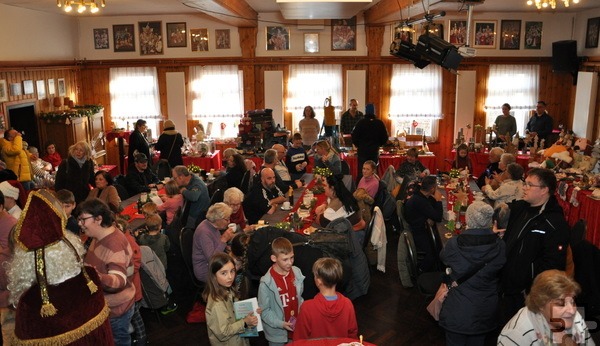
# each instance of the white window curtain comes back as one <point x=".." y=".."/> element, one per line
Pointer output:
<point x="217" y="98"/>
<point x="134" y="93"/>
<point x="416" y="99"/>
<point x="309" y="85"/>
<point x="517" y="85"/>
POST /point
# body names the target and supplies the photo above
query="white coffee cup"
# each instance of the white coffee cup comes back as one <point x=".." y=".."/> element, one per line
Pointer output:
<point x="233" y="227"/>
<point x="286" y="205"/>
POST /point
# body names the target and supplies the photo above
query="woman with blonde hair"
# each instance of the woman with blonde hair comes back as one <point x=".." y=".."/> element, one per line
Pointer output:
<point x="327" y="157"/>
<point x="76" y="173"/>
<point x="550" y="315"/>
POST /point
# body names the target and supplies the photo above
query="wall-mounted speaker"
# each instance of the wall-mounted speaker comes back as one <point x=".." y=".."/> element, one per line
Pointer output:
<point x="564" y="56"/>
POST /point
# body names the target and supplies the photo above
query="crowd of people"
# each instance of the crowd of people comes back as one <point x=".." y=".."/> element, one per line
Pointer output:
<point x="524" y="261"/>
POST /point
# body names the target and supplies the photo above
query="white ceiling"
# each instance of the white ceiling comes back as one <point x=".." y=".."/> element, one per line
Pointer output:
<point x="298" y="10"/>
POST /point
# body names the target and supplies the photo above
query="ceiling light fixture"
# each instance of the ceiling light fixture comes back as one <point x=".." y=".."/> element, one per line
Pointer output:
<point x="81" y="5"/>
<point x="543" y="4"/>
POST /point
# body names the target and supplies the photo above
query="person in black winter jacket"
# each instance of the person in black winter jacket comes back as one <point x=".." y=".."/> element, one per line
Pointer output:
<point x="536" y="239"/>
<point x="139" y="177"/>
<point x="169" y="144"/>
<point x="138" y="142"/>
<point x="76" y="173"/>
<point x="368" y="135"/>
<point x="469" y="311"/>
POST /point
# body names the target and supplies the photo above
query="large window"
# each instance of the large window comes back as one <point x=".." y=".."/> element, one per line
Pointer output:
<point x="217" y="98"/>
<point x="517" y="85"/>
<point x="309" y="85"/>
<point x="416" y="100"/>
<point x="134" y="95"/>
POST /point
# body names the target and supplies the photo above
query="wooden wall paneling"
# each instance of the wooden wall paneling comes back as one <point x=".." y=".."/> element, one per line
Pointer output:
<point x="481" y="94"/>
<point x="558" y="91"/>
<point x="375" y="72"/>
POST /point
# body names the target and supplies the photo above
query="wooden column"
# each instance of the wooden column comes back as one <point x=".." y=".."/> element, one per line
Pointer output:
<point x="248" y="38"/>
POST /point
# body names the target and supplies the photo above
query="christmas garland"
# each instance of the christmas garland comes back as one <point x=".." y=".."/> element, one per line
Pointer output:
<point x="75" y="112"/>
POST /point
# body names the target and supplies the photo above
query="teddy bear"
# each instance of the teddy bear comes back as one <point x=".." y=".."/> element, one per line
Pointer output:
<point x="365" y="203"/>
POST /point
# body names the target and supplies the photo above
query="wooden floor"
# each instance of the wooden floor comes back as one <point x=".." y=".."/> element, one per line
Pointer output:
<point x="389" y="315"/>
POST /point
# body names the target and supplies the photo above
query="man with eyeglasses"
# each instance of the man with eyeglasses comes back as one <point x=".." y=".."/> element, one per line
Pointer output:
<point x="536" y="239"/>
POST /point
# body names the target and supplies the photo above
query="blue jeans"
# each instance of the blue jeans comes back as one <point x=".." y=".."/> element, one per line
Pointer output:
<point x="120" y="327"/>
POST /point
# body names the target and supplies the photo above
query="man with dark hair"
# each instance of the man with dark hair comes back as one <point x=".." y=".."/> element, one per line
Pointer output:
<point x="350" y="118"/>
<point x="368" y="136"/>
<point x="536" y="238"/>
<point x="140" y="177"/>
<point x="540" y="123"/>
<point x="425" y="204"/>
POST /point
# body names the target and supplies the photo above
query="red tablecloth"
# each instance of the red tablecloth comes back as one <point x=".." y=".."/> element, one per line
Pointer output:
<point x="121" y="134"/>
<point x="321" y="198"/>
<point x="587" y="210"/>
<point x="111" y="169"/>
<point x="327" y="342"/>
<point x="481" y="160"/>
<point x="386" y="160"/>
<point x="207" y="163"/>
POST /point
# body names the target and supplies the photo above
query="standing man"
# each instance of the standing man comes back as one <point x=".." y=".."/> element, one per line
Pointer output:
<point x="536" y="238"/>
<point x="350" y="118"/>
<point x="195" y="192"/>
<point x="540" y="123"/>
<point x="368" y="135"/>
<point x="263" y="198"/>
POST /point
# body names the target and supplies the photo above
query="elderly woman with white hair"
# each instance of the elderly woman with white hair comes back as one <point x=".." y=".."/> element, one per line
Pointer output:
<point x="234" y="197"/>
<point x="76" y="173"/>
<point x="474" y="257"/>
<point x="42" y="170"/>
<point x="211" y="236"/>
<point x="510" y="189"/>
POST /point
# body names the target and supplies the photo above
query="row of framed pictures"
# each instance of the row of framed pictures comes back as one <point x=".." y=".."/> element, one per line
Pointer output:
<point x="150" y="38"/>
<point x="27" y="88"/>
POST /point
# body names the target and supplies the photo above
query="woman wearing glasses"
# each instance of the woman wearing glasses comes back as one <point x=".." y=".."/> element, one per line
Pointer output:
<point x="111" y="255"/>
<point x="550" y="315"/>
<point x="211" y="236"/>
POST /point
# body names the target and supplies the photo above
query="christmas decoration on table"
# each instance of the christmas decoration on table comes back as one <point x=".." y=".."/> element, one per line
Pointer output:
<point x="322" y="172"/>
<point x="194" y="169"/>
<point x="454" y="173"/>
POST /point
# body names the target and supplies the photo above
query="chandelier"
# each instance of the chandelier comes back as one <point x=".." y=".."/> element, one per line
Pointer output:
<point x="81" y="5"/>
<point x="540" y="4"/>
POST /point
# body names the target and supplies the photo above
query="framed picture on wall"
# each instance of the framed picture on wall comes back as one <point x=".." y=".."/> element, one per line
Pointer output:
<point x="484" y="34"/>
<point x="434" y="29"/>
<point x="510" y="34"/>
<point x="222" y="39"/>
<point x="15" y="89"/>
<point x="343" y="34"/>
<point x="199" y="40"/>
<point x="533" y="35"/>
<point x="457" y="32"/>
<point x="41" y="89"/>
<point x="176" y="35"/>
<point x="311" y="43"/>
<point x="62" y="89"/>
<point x="51" y="87"/>
<point x="124" y="38"/>
<point x="3" y="90"/>
<point x="28" y="87"/>
<point x="403" y="33"/>
<point x="592" y="32"/>
<point x="151" y="38"/>
<point x="278" y="38"/>
<point x="101" y="38"/>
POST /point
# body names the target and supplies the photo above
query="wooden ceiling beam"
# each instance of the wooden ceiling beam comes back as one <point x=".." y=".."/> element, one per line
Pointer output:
<point x="233" y="12"/>
<point x="377" y="14"/>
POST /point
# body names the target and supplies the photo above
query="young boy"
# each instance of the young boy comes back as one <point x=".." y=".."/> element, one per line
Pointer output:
<point x="329" y="314"/>
<point x="280" y="293"/>
<point x="158" y="242"/>
<point x="296" y="158"/>
<point x="67" y="199"/>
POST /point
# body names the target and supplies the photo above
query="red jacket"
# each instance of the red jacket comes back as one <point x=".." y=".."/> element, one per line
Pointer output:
<point x="322" y="318"/>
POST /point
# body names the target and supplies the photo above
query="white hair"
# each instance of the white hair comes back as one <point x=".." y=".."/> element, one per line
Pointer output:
<point x="61" y="265"/>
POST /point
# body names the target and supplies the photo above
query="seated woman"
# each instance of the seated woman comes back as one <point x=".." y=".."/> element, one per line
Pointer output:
<point x="105" y="191"/>
<point x="510" y="189"/>
<point x="327" y="157"/>
<point x="412" y="168"/>
<point x="550" y="316"/>
<point x="369" y="180"/>
<point x="462" y="160"/>
<point x="234" y="197"/>
<point x="52" y="155"/>
<point x="235" y="170"/>
<point x="497" y="177"/>
<point x="340" y="203"/>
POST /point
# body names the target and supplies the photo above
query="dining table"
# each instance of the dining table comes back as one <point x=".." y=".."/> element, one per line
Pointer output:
<point x="480" y="161"/>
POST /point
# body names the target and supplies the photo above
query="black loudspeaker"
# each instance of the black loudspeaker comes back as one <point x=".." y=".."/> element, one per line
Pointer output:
<point x="564" y="56"/>
<point x="439" y="51"/>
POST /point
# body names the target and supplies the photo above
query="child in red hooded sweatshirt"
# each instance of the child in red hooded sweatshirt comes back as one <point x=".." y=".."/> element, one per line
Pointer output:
<point x="329" y="314"/>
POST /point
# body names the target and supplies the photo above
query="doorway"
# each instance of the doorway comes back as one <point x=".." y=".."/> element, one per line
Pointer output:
<point x="22" y="118"/>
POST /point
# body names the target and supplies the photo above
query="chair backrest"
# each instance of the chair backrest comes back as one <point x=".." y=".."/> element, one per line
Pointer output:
<point x="186" y="241"/>
<point x="163" y="169"/>
<point x="345" y="168"/>
<point x="122" y="191"/>
<point x="400" y="212"/>
<point x="436" y="243"/>
<point x="411" y="250"/>
<point x="369" y="229"/>
<point x="217" y="196"/>
<point x="578" y="232"/>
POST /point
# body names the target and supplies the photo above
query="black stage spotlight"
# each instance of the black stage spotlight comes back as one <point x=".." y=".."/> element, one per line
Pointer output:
<point x="439" y="51"/>
<point x="406" y="50"/>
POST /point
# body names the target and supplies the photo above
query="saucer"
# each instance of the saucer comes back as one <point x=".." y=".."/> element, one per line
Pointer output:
<point x="286" y="209"/>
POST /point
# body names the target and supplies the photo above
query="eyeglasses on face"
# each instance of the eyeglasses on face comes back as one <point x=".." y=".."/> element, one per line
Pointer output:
<point x="530" y="185"/>
<point x="82" y="219"/>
